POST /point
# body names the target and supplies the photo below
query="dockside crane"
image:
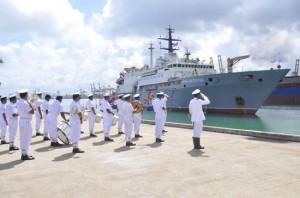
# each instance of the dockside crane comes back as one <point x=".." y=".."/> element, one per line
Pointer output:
<point x="295" y="73"/>
<point x="234" y="60"/>
<point x="222" y="70"/>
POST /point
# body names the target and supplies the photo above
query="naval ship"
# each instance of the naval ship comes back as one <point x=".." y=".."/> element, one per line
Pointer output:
<point x="231" y="92"/>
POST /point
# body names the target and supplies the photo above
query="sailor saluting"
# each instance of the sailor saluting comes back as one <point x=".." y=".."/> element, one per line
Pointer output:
<point x="159" y="109"/>
<point x="197" y="116"/>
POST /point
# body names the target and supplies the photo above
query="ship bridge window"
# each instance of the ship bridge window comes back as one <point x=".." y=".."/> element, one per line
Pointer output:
<point x="179" y="65"/>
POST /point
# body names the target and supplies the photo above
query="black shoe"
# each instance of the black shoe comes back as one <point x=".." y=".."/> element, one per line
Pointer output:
<point x="38" y="134"/>
<point x="27" y="157"/>
<point x="4" y="142"/>
<point x="92" y="135"/>
<point x="46" y="138"/>
<point x="77" y="150"/>
<point x="164" y="131"/>
<point x="56" y="144"/>
<point x="130" y="144"/>
<point x="120" y="132"/>
<point x="82" y="132"/>
<point x="52" y="144"/>
<point x="13" y="148"/>
<point x="108" y="139"/>
<point x="138" y="136"/>
<point x="159" y="140"/>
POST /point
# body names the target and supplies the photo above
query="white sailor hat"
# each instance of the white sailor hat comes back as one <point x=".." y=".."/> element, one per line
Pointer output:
<point x="136" y="95"/>
<point x="106" y="95"/>
<point x="76" y="93"/>
<point x="39" y="92"/>
<point x="120" y="95"/>
<point x="12" y="96"/>
<point x="3" y="97"/>
<point x="22" y="91"/>
<point x="126" y="96"/>
<point x="90" y="95"/>
<point x="166" y="95"/>
<point x="160" y="93"/>
<point x="197" y="91"/>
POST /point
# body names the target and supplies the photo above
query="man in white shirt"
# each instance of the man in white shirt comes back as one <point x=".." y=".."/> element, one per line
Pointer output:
<point x="3" y="120"/>
<point x="45" y="107"/>
<point x="90" y="108"/>
<point x="54" y="110"/>
<point x="119" y="103"/>
<point x="38" y="114"/>
<point x="26" y="111"/>
<point x="164" y="100"/>
<point x="107" y="117"/>
<point x="159" y="110"/>
<point x="128" y="119"/>
<point x="197" y="116"/>
<point x="12" y="115"/>
<point x="75" y="122"/>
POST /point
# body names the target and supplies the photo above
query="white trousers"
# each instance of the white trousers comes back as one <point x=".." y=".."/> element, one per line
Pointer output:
<point x="25" y="129"/>
<point x="164" y="118"/>
<point x="46" y="131"/>
<point x="38" y="121"/>
<point x="52" y="126"/>
<point x="120" y="121"/>
<point x="128" y="128"/>
<point x="198" y="125"/>
<point x="12" y="129"/>
<point x="137" y="118"/>
<point x="159" y="124"/>
<point x="3" y="128"/>
<point x="106" y="125"/>
<point x="75" y="130"/>
<point x="92" y="118"/>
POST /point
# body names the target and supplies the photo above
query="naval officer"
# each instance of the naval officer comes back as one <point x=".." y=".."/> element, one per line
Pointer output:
<point x="12" y="114"/>
<point x="128" y="119"/>
<point x="119" y="103"/>
<point x="3" y="120"/>
<point x="137" y="116"/>
<point x="54" y="110"/>
<point x="159" y="110"/>
<point x="38" y="113"/>
<point x="164" y="100"/>
<point x="45" y="107"/>
<point x="75" y="122"/>
<point x="90" y="108"/>
<point x="197" y="116"/>
<point x="107" y="117"/>
<point x="26" y="111"/>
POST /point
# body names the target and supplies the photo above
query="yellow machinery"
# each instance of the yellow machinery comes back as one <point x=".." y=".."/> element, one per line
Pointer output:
<point x="234" y="60"/>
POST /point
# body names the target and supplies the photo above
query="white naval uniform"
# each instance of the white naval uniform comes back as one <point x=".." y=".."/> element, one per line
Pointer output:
<point x="75" y="124"/>
<point x="38" y="119"/>
<point x="128" y="119"/>
<point x="91" y="115"/>
<point x="3" y="126"/>
<point x="137" y="118"/>
<point x="164" y="101"/>
<point x="12" y="121"/>
<point x="45" y="106"/>
<point x="55" y="109"/>
<point x="195" y="109"/>
<point x="159" y="116"/>
<point x="107" y="117"/>
<point x="120" y="103"/>
<point x="25" y="127"/>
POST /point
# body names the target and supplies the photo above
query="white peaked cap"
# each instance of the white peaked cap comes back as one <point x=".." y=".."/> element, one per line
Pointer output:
<point x="75" y="93"/>
<point x="160" y="93"/>
<point x="23" y="91"/>
<point x="11" y="96"/>
<point x="136" y="95"/>
<point x="39" y="92"/>
<point x="90" y="95"/>
<point x="196" y="91"/>
<point x="106" y="95"/>
<point x="127" y="96"/>
<point x="120" y="95"/>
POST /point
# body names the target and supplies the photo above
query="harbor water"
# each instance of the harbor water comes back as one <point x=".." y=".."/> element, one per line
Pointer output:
<point x="278" y="119"/>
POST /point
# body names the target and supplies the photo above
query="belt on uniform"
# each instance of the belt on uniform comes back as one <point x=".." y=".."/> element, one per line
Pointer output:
<point x="25" y="118"/>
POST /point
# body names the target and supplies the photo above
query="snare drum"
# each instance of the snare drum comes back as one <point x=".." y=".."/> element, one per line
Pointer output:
<point x="98" y="118"/>
<point x="85" y="116"/>
<point x="64" y="132"/>
<point x="114" y="120"/>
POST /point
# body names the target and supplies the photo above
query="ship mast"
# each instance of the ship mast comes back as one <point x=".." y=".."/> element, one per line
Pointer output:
<point x="170" y="40"/>
<point x="151" y="48"/>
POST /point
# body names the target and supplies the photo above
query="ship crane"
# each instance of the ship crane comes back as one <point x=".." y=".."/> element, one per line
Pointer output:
<point x="234" y="60"/>
<point x="295" y="73"/>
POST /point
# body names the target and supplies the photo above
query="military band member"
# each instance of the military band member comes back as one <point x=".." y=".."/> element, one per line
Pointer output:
<point x="12" y="115"/>
<point x="159" y="110"/>
<point x="90" y="108"/>
<point x="38" y="114"/>
<point x="26" y="111"/>
<point x="197" y="116"/>
<point x="45" y="107"/>
<point x="128" y="119"/>
<point x="137" y="116"/>
<point x="119" y="103"/>
<point x="107" y="117"/>
<point x="3" y="119"/>
<point x="52" y="117"/>
<point x="75" y="122"/>
<point x="164" y="100"/>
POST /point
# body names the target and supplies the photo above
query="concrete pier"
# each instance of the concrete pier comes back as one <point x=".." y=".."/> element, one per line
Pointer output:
<point x="229" y="166"/>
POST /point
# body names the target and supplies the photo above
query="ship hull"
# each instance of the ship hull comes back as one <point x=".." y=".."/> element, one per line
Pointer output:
<point x="230" y="93"/>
